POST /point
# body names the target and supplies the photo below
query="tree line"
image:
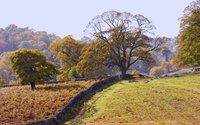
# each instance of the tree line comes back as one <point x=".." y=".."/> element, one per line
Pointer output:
<point x="120" y="41"/>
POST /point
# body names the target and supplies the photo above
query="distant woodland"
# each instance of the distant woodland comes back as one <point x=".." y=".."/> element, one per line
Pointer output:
<point x="13" y="38"/>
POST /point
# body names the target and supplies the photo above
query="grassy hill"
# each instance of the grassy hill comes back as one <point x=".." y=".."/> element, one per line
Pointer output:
<point x="174" y="101"/>
<point x="19" y="105"/>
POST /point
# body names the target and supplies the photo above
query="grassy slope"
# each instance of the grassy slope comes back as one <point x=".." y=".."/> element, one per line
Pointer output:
<point x="19" y="105"/>
<point x="161" y="101"/>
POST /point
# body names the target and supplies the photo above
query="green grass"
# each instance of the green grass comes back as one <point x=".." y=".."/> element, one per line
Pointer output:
<point x="171" y="101"/>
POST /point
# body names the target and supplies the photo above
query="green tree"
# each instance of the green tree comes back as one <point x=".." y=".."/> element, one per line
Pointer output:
<point x="73" y="74"/>
<point x="93" y="60"/>
<point x="31" y="66"/>
<point x="126" y="36"/>
<point x="188" y="39"/>
<point x="67" y="51"/>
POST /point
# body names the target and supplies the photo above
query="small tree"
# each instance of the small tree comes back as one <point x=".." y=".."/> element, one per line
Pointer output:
<point x="31" y="66"/>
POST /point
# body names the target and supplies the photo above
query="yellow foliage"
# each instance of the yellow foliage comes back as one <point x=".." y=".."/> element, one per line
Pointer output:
<point x="92" y="60"/>
<point x="157" y="71"/>
<point x="135" y="72"/>
<point x="67" y="51"/>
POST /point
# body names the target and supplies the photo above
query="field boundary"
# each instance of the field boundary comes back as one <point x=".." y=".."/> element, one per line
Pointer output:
<point x="73" y="108"/>
<point x="50" y="82"/>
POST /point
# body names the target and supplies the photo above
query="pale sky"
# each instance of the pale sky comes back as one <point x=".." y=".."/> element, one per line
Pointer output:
<point x="70" y="17"/>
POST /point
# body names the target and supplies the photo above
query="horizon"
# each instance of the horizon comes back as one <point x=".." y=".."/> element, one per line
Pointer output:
<point x="71" y="17"/>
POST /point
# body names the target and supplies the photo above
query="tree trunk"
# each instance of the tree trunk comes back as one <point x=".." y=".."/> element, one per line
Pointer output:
<point x="32" y="85"/>
<point x="123" y="75"/>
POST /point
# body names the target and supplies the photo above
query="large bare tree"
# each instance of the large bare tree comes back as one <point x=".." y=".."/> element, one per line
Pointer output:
<point x="126" y="36"/>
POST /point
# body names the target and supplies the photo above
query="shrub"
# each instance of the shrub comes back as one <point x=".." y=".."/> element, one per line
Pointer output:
<point x="12" y="82"/>
<point x="157" y="71"/>
<point x="72" y="74"/>
<point x="2" y="81"/>
<point x="165" y="67"/>
<point x="135" y="72"/>
<point x="168" y="66"/>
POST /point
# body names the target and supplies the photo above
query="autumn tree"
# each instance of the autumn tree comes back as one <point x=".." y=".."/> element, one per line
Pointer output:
<point x="31" y="66"/>
<point x="93" y="60"/>
<point x="13" y="37"/>
<point x="126" y="36"/>
<point x="189" y="42"/>
<point x="67" y="51"/>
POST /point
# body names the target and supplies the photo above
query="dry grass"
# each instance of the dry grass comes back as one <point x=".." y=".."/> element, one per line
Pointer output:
<point x="19" y="105"/>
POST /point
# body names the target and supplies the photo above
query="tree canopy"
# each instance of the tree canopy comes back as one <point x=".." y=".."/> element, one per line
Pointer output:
<point x="93" y="60"/>
<point x="189" y="42"/>
<point x="13" y="37"/>
<point x="67" y="51"/>
<point x="126" y="37"/>
<point x="31" y="66"/>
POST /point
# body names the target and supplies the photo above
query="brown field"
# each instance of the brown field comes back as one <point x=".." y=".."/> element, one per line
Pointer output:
<point x="19" y="105"/>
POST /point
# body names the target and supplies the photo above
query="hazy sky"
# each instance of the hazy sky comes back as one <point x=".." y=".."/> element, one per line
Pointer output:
<point x="70" y="17"/>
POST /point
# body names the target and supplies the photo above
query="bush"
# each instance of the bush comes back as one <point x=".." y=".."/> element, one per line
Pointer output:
<point x="168" y="66"/>
<point x="72" y="74"/>
<point x="165" y="67"/>
<point x="157" y="71"/>
<point x="2" y="82"/>
<point x="135" y="72"/>
<point x="13" y="82"/>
